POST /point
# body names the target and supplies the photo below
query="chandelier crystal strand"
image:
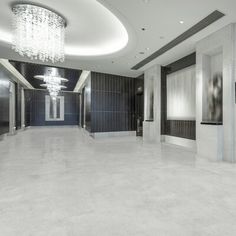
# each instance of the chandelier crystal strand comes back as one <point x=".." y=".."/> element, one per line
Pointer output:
<point x="38" y="33"/>
<point x="52" y="83"/>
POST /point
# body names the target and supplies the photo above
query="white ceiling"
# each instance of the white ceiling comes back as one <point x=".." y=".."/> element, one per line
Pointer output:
<point x="90" y="25"/>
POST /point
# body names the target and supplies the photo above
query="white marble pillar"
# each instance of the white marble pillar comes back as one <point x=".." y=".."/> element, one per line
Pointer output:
<point x="217" y="142"/>
<point x="152" y="82"/>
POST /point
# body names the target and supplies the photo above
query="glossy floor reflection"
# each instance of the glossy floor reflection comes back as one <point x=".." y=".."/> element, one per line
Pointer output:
<point x="58" y="181"/>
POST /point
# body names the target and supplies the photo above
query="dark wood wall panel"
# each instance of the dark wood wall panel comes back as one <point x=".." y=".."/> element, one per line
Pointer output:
<point x="163" y="100"/>
<point x="4" y="105"/>
<point x="181" y="128"/>
<point x="29" y="70"/>
<point x="139" y="97"/>
<point x="178" y="128"/>
<point x="35" y="108"/>
<point x="28" y="105"/>
<point x="87" y="100"/>
<point x="18" y="98"/>
<point x="112" y="103"/>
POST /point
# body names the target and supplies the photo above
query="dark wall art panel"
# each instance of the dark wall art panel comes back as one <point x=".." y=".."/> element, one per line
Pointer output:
<point x="215" y="96"/>
<point x="35" y="108"/>
<point x="212" y="109"/>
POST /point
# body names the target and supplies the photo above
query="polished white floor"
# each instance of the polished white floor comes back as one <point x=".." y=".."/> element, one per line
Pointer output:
<point x="59" y="181"/>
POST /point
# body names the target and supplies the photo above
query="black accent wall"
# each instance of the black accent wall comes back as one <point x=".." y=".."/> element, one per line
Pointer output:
<point x="29" y="70"/>
<point x="35" y="108"/>
<point x="139" y="97"/>
<point x="86" y="105"/>
<point x="178" y="128"/>
<point x="18" y="98"/>
<point x="4" y="105"/>
<point x="113" y="106"/>
<point x="181" y="128"/>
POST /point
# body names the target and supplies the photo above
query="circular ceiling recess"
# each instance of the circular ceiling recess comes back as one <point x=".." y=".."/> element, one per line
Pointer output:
<point x="92" y="30"/>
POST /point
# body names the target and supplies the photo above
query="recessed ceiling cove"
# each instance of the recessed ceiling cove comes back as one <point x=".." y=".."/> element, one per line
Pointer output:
<point x="92" y="30"/>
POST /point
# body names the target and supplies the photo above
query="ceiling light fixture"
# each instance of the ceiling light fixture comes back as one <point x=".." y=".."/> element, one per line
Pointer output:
<point x="52" y="83"/>
<point x="39" y="33"/>
<point x="181" y="22"/>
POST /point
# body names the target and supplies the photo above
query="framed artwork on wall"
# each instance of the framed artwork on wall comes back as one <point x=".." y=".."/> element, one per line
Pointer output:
<point x="212" y="104"/>
<point x="54" y="109"/>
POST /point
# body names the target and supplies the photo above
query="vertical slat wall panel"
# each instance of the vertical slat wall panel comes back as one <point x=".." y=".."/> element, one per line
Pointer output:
<point x="113" y="103"/>
<point x="180" y="128"/>
<point x="18" y="105"/>
<point x="35" y="108"/>
<point x="4" y="105"/>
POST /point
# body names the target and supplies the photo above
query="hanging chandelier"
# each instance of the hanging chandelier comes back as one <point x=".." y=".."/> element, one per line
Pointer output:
<point x="52" y="83"/>
<point x="39" y="33"/>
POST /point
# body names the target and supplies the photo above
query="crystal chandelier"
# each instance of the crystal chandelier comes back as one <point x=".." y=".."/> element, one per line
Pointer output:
<point x="39" y="33"/>
<point x="52" y="83"/>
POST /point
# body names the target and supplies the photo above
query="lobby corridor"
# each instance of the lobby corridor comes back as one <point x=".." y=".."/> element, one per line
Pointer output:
<point x="59" y="181"/>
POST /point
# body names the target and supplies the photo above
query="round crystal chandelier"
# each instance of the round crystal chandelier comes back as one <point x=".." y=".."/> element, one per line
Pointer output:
<point x="52" y="83"/>
<point x="39" y="33"/>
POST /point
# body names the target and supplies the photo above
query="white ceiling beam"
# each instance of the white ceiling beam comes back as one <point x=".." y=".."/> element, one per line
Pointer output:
<point x="84" y="75"/>
<point x="15" y="73"/>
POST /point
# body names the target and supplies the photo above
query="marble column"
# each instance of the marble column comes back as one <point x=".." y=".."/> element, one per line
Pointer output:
<point x="152" y="115"/>
<point x="217" y="142"/>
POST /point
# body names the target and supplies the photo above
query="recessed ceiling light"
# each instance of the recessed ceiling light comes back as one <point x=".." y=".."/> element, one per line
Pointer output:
<point x="181" y="22"/>
<point x="147" y="49"/>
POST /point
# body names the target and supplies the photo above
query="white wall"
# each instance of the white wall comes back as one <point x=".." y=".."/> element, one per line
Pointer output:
<point x="181" y="94"/>
<point x="214" y="142"/>
<point x="217" y="142"/>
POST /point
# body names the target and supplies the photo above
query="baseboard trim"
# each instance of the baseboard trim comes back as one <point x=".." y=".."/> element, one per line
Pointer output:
<point x="113" y="134"/>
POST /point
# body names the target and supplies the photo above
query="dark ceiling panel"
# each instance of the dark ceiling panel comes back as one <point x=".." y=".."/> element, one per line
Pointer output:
<point x="214" y="16"/>
<point x="29" y="70"/>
